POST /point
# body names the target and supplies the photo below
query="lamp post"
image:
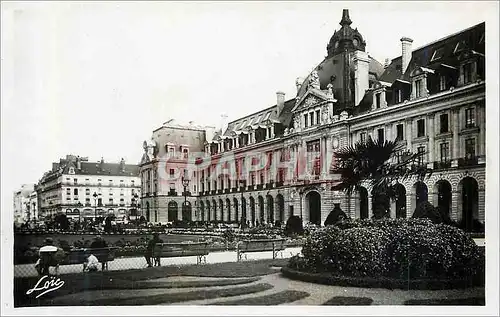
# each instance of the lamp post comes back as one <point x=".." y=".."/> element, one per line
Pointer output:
<point x="27" y="204"/>
<point x="243" y="216"/>
<point x="135" y="198"/>
<point x="185" y="184"/>
<point x="95" y="205"/>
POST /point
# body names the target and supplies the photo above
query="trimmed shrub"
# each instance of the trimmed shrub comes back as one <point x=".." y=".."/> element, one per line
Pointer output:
<point x="335" y="216"/>
<point x="294" y="226"/>
<point x="427" y="210"/>
<point x="393" y="248"/>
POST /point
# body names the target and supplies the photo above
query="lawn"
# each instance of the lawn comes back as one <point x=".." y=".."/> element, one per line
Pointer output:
<point x="279" y="298"/>
<point x="169" y="298"/>
<point x="79" y="282"/>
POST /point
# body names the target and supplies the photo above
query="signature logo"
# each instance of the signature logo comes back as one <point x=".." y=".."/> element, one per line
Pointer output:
<point x="47" y="286"/>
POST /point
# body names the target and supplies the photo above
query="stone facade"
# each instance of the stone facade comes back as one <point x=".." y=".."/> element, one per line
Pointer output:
<point x="431" y="102"/>
<point x="81" y="189"/>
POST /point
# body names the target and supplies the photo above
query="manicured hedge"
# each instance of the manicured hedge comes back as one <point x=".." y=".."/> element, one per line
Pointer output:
<point x="406" y="249"/>
<point x="328" y="278"/>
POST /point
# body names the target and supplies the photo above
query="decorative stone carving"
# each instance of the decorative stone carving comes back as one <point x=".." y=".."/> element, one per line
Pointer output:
<point x="336" y="118"/>
<point x="343" y="115"/>
<point x="286" y="131"/>
<point x="296" y="123"/>
<point x="314" y="80"/>
<point x="330" y="92"/>
<point x="325" y="115"/>
<point x="310" y="101"/>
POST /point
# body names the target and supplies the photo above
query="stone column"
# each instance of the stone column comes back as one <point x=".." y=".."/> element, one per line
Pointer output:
<point x="388" y="129"/>
<point x="456" y="140"/>
<point x="370" y="209"/>
<point x="409" y="135"/>
<point x="431" y="133"/>
<point x="272" y="131"/>
<point x="324" y="153"/>
<point x="481" y="203"/>
<point x="482" y="128"/>
<point x="454" y="212"/>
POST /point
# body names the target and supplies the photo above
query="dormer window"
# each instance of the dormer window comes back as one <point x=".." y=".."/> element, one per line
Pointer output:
<point x="399" y="95"/>
<point x="442" y="82"/>
<point x="438" y="54"/>
<point x="459" y="47"/>
<point x="377" y="100"/>
<point x="71" y="171"/>
<point x="418" y="88"/>
<point x="467" y="73"/>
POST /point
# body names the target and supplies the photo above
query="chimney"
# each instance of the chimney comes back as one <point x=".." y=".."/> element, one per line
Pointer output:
<point x="280" y="101"/>
<point x="386" y="63"/>
<point x="122" y="165"/>
<point x="298" y="83"/>
<point x="223" y="122"/>
<point x="78" y="163"/>
<point x="405" y="53"/>
<point x="101" y="164"/>
<point x="361" y="62"/>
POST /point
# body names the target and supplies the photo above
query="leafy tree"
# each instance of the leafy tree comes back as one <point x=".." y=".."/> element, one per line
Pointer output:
<point x="62" y="221"/>
<point x="374" y="162"/>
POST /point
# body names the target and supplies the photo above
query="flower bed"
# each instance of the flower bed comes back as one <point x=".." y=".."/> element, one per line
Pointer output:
<point x="404" y="250"/>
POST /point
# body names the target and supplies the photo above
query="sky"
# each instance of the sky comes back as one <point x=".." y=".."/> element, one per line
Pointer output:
<point x="94" y="79"/>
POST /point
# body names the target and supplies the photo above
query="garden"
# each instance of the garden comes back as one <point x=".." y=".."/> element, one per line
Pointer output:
<point x="391" y="253"/>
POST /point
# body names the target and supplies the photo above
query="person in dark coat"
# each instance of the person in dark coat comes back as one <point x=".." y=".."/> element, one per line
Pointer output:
<point x="150" y="250"/>
<point x="100" y="243"/>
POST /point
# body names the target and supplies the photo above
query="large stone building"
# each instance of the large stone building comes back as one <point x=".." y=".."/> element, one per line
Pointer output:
<point x="430" y="99"/>
<point x="163" y="165"/>
<point x="25" y="206"/>
<point x="82" y="189"/>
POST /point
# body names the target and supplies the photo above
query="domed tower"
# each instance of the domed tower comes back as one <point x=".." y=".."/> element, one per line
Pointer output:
<point x="345" y="69"/>
<point x="347" y="48"/>
<point x="345" y="39"/>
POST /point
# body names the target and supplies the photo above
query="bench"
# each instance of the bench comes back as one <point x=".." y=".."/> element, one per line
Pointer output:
<point x="171" y="250"/>
<point x="77" y="256"/>
<point x="262" y="245"/>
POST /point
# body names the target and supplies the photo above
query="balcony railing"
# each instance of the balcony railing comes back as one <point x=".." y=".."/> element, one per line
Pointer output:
<point x="279" y="183"/>
<point x="212" y="192"/>
<point x="471" y="161"/>
<point x="172" y="193"/>
<point x="259" y="186"/>
<point x="250" y="187"/>
<point x="219" y="191"/>
<point x="442" y="164"/>
<point x="226" y="191"/>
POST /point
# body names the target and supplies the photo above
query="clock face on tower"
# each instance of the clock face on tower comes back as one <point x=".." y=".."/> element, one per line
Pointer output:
<point x="355" y="42"/>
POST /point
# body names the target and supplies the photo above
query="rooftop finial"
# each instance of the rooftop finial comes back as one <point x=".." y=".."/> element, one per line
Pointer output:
<point x="345" y="18"/>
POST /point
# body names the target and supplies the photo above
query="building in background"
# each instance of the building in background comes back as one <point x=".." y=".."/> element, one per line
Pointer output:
<point x="24" y="209"/>
<point x="430" y="99"/>
<point x="83" y="190"/>
<point x="162" y="171"/>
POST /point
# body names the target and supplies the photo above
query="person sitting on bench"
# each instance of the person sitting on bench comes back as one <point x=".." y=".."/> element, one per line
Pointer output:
<point x="91" y="264"/>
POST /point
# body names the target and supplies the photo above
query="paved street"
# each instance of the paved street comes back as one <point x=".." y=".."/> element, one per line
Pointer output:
<point x="25" y="270"/>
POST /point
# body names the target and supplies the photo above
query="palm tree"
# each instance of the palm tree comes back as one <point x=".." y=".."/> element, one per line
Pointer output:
<point x="380" y="163"/>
